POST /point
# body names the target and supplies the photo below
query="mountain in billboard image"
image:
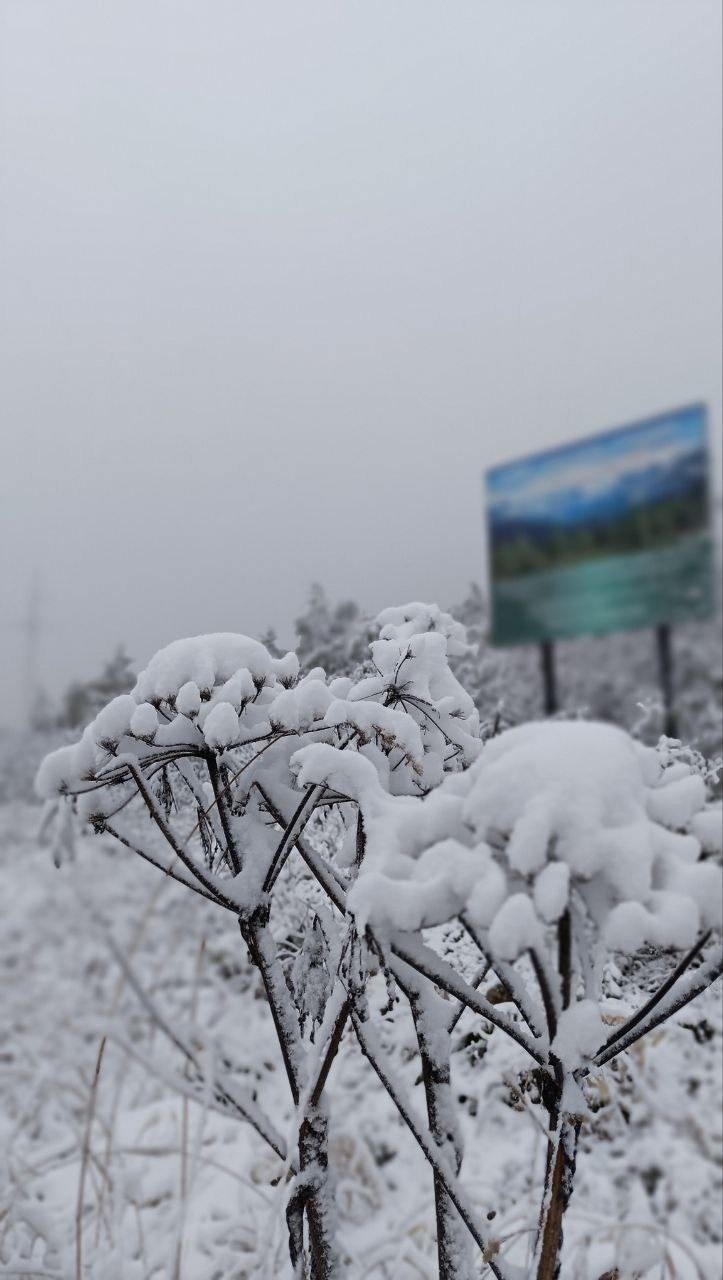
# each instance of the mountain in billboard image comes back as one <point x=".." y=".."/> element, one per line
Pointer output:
<point x="604" y="534"/>
<point x="635" y="510"/>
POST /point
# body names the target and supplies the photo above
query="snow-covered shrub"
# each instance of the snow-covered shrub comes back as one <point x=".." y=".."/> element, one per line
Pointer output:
<point x="21" y="751"/>
<point x="333" y="637"/>
<point x="610" y="677"/>
<point x="553" y="846"/>
<point x="563" y="844"/>
<point x="83" y="699"/>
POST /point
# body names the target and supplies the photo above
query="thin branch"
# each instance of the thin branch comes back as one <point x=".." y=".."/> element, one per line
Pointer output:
<point x="224" y="1103"/>
<point x="220" y="801"/>
<point x="698" y="981"/>
<point x="428" y="963"/>
<point x="516" y="989"/>
<point x="476" y="982"/>
<point x="662" y="991"/>
<point x="546" y="992"/>
<point x="297" y="822"/>
<point x="118" y="766"/>
<point x="90" y="1113"/>
<point x="448" y="1180"/>
<point x="326" y="876"/>
<point x="262" y="949"/>
<point x="564" y="957"/>
<point x="234" y="778"/>
<point x="167" y="871"/>
<point x="212" y="888"/>
<point x="317" y="1085"/>
<point x="423" y="959"/>
<point x="434" y="1052"/>
<point x="246" y="1107"/>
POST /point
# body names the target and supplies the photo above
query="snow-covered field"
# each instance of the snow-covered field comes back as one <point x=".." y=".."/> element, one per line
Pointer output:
<point x="343" y="834"/>
<point x="105" y="1152"/>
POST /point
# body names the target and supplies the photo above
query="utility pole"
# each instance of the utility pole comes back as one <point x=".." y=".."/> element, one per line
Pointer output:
<point x="31" y="626"/>
<point x="549" y="679"/>
<point x="664" y="641"/>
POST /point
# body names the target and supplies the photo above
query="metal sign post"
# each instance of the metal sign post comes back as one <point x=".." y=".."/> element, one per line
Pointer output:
<point x="663" y="636"/>
<point x="547" y="663"/>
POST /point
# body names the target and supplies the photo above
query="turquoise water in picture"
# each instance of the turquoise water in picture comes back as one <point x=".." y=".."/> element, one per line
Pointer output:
<point x="611" y="593"/>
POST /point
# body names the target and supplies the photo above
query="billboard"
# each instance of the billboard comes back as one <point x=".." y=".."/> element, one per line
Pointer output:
<point x="605" y="534"/>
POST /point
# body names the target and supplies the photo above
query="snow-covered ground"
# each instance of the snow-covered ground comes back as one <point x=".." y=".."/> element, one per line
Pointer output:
<point x="113" y="1165"/>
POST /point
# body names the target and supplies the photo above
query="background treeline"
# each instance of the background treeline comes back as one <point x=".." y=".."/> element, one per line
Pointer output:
<point x="612" y="677"/>
<point x="535" y="546"/>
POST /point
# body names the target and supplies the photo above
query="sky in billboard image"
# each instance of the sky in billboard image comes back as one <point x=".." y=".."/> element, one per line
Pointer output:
<point x="604" y="534"/>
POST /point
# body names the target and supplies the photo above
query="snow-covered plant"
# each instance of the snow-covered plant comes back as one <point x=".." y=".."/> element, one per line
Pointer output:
<point x="203" y="746"/>
<point x="553" y="845"/>
<point x="563" y="845"/>
<point x="601" y="677"/>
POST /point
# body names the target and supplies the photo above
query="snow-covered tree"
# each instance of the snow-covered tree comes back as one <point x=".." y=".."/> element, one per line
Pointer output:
<point x="83" y="699"/>
<point x="333" y="637"/>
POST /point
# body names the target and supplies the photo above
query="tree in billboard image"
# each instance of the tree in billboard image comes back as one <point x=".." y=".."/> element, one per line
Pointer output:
<point x="602" y="535"/>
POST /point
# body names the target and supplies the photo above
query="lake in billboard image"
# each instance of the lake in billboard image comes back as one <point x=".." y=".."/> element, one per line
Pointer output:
<point x="605" y="534"/>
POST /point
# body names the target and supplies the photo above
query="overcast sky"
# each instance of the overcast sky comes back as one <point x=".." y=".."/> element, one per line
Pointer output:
<point x="280" y="280"/>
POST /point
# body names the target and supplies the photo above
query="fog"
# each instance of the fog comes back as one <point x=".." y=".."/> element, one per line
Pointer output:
<point x="280" y="281"/>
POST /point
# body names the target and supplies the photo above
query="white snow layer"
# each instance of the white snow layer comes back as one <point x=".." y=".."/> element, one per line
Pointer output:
<point x="221" y="726"/>
<point x="562" y="804"/>
<point x="222" y="691"/>
<point x="208" y="661"/>
<point x="580" y="1032"/>
<point x="144" y="721"/>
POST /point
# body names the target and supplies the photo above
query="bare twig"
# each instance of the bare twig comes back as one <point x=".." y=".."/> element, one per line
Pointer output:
<point x="662" y="991"/>
<point x="440" y="1166"/>
<point x="89" y="1115"/>
<point x="673" y="1002"/>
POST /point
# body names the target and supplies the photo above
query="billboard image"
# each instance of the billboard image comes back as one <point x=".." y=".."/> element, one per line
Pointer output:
<point x="605" y="534"/>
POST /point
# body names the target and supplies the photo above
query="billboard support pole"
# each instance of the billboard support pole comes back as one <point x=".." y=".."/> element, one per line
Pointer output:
<point x="547" y="663"/>
<point x="663" y="637"/>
